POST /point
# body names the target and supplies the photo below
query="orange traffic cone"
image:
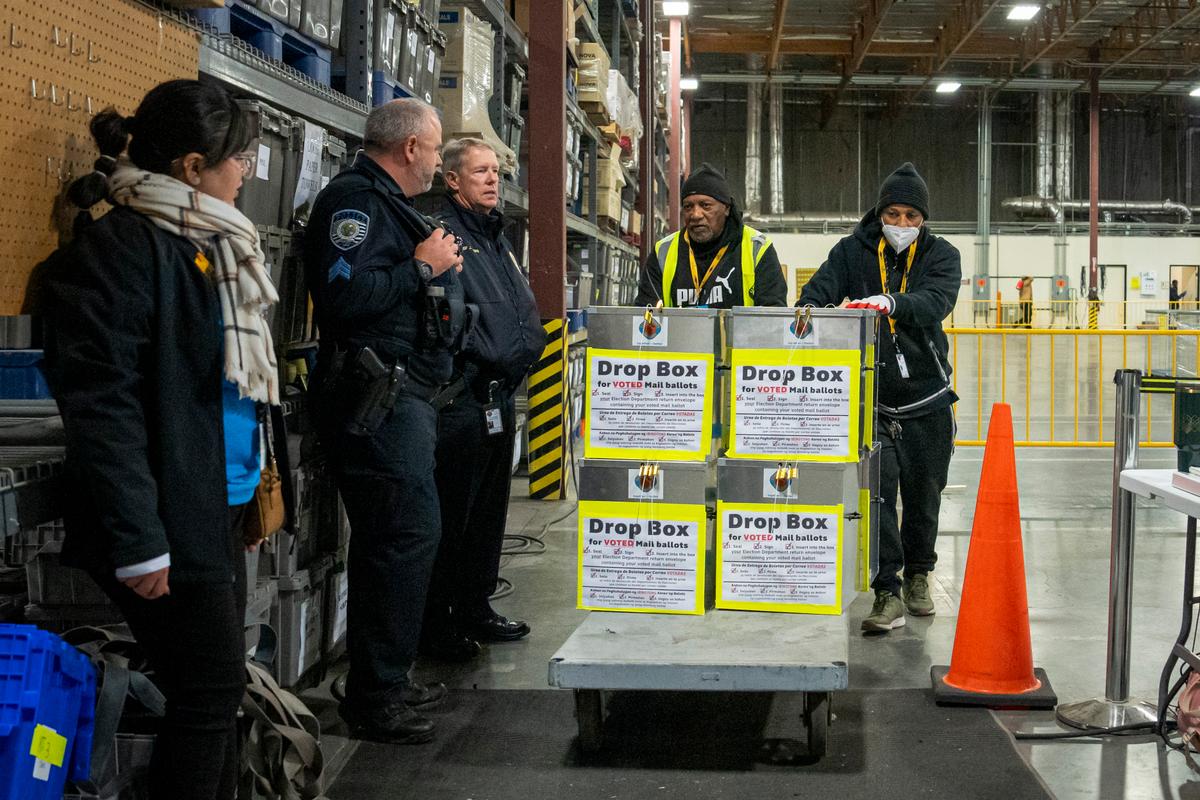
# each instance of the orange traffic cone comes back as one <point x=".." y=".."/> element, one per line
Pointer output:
<point x="992" y="662"/>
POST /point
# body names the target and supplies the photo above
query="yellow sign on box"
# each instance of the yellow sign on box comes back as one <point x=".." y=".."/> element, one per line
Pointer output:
<point x="648" y="406"/>
<point x="797" y="405"/>
<point x="779" y="557"/>
<point x="48" y="745"/>
<point x="641" y="556"/>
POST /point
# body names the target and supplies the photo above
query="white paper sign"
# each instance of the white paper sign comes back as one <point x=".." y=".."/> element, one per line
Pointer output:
<point x="648" y="406"/>
<point x="263" y="169"/>
<point x="303" y="634"/>
<point x="779" y="557"/>
<point x="343" y="603"/>
<point x="652" y="335"/>
<point x="638" y="563"/>
<point x="791" y="410"/>
<point x="308" y="184"/>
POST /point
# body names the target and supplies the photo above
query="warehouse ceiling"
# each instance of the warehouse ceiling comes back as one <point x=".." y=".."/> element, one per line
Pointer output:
<point x="833" y="41"/>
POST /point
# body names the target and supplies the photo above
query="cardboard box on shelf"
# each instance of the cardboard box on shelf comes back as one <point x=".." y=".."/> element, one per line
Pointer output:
<point x="593" y="74"/>
<point x="635" y="224"/>
<point x="608" y="203"/>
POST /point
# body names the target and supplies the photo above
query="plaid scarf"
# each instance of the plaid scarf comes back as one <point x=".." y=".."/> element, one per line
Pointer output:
<point x="242" y="282"/>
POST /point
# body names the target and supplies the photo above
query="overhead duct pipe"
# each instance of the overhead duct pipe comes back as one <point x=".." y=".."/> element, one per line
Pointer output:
<point x="1058" y="209"/>
<point x="754" y="152"/>
<point x="1044" y="135"/>
<point x="775" y="124"/>
<point x="800" y="218"/>
<point x="1064" y="135"/>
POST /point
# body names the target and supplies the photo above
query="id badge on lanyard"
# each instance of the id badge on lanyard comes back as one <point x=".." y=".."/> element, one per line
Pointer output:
<point x="901" y="363"/>
<point x="493" y="420"/>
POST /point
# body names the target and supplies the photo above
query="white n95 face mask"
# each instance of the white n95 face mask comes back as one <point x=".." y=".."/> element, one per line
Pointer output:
<point x="900" y="238"/>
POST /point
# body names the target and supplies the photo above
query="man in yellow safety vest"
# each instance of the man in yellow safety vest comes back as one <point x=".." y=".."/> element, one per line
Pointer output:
<point x="715" y="261"/>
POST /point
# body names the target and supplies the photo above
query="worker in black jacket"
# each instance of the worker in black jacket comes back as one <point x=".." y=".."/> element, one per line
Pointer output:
<point x="157" y="354"/>
<point x="387" y="300"/>
<point x="894" y="264"/>
<point x="477" y="430"/>
<point x="716" y="261"/>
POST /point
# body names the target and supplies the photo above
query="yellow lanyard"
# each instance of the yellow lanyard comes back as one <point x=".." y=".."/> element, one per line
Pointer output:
<point x="912" y="252"/>
<point x="696" y="281"/>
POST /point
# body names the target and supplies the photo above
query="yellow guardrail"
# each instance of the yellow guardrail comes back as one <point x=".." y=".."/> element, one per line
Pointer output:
<point x="1009" y="312"/>
<point x="1059" y="382"/>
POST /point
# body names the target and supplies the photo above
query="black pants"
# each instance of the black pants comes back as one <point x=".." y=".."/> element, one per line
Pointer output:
<point x="195" y="641"/>
<point x="473" y="477"/>
<point x="396" y="524"/>
<point x="916" y="463"/>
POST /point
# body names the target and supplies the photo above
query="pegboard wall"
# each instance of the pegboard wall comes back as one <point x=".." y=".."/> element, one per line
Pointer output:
<point x="61" y="61"/>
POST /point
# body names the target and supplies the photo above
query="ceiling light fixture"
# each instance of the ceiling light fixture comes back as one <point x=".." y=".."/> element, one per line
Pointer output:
<point x="948" y="87"/>
<point x="676" y="8"/>
<point x="1023" y="13"/>
<point x="689" y="84"/>
<point x="1195" y="92"/>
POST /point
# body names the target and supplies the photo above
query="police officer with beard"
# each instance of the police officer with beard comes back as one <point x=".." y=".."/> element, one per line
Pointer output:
<point x="715" y="261"/>
<point x="895" y="265"/>
<point x="476" y="431"/>
<point x="385" y="291"/>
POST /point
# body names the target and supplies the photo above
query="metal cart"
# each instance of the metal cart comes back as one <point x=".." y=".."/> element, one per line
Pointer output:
<point x="722" y="651"/>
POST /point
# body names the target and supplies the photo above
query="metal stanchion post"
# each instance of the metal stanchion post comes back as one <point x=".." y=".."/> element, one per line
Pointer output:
<point x="1117" y="707"/>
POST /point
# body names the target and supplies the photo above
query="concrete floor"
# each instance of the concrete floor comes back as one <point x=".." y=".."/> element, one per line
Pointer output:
<point x="1066" y="501"/>
<point x="1065" y="505"/>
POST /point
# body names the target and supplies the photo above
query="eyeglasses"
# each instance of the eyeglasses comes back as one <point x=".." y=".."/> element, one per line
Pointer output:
<point x="247" y="161"/>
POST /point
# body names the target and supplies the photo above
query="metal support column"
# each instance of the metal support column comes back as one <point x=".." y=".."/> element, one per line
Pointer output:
<point x="548" y="253"/>
<point x="673" y="138"/>
<point x="358" y="40"/>
<point x="1117" y="707"/>
<point x="645" y="197"/>
<point x="1093" y="190"/>
<point x="547" y="143"/>
<point x="983" y="224"/>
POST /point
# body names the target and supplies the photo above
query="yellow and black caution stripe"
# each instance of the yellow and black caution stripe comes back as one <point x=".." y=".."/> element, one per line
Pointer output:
<point x="1093" y="315"/>
<point x="1165" y="384"/>
<point x="547" y="406"/>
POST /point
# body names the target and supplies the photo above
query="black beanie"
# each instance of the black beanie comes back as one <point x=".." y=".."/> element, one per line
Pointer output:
<point x="706" y="180"/>
<point x="904" y="186"/>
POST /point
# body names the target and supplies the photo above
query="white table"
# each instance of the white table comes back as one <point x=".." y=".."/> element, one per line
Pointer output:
<point x="1155" y="485"/>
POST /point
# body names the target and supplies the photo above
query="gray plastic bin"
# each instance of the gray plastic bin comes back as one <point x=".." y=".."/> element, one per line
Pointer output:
<point x="298" y="618"/>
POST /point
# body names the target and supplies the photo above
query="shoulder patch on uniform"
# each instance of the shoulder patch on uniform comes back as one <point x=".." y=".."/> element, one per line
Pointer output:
<point x="348" y="229"/>
<point x="340" y="269"/>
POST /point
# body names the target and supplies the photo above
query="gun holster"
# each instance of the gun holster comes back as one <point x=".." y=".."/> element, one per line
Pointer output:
<point x="376" y="387"/>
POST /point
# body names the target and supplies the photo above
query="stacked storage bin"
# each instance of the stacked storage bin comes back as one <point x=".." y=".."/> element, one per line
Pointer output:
<point x="47" y="713"/>
<point x="409" y="50"/>
<point x="645" y="541"/>
<point x="297" y="33"/>
<point x="796" y="488"/>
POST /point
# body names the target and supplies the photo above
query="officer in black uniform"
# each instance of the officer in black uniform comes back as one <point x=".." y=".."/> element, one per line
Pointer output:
<point x="385" y="290"/>
<point x="476" y="431"/>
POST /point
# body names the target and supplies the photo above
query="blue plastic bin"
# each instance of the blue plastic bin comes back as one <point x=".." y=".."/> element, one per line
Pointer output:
<point x="20" y="377"/>
<point x="47" y="705"/>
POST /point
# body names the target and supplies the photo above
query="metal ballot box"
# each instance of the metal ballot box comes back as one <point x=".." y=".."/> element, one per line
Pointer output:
<point x="652" y="385"/>
<point x="791" y="536"/>
<point x="801" y="384"/>
<point x="645" y="540"/>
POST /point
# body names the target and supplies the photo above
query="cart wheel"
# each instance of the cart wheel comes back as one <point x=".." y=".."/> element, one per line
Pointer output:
<point x="589" y="711"/>
<point x="818" y="712"/>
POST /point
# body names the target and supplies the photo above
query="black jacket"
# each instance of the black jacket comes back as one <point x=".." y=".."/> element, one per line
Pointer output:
<point x="724" y="288"/>
<point x="134" y="358"/>
<point x="358" y="262"/>
<point x="507" y="337"/>
<point x="852" y="272"/>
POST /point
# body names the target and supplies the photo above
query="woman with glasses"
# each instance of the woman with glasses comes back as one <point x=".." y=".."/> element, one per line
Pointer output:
<point x="157" y="352"/>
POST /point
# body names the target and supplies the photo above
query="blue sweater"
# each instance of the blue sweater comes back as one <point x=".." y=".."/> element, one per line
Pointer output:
<point x="241" y="445"/>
